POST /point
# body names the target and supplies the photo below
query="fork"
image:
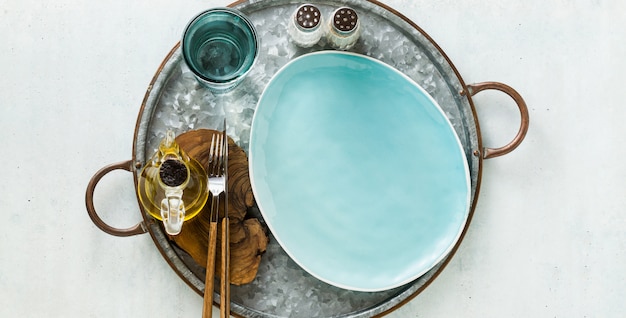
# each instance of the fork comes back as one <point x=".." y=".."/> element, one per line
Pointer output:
<point x="216" y="172"/>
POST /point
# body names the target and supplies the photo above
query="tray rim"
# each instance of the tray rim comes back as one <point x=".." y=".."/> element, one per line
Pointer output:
<point x="153" y="226"/>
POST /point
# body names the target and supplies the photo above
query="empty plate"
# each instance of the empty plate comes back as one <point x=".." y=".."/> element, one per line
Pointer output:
<point x="357" y="171"/>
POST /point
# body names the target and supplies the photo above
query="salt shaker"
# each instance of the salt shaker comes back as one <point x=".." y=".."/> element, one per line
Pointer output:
<point x="344" y="28"/>
<point x="306" y="26"/>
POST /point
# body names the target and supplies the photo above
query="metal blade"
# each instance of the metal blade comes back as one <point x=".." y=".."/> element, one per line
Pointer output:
<point x="225" y="158"/>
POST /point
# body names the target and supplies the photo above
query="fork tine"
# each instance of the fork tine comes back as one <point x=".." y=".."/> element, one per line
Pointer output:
<point x="218" y="154"/>
<point x="211" y="151"/>
<point x="214" y="155"/>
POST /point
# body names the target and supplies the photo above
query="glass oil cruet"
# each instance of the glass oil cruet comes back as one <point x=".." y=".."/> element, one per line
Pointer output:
<point x="172" y="186"/>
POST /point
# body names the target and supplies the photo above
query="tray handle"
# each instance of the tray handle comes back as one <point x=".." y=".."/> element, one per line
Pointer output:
<point x="139" y="228"/>
<point x="523" y="109"/>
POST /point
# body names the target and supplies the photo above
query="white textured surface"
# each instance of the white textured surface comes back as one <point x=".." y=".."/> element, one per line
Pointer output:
<point x="547" y="239"/>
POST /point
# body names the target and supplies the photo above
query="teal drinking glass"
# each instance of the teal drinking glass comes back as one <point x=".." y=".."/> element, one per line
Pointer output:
<point x="220" y="46"/>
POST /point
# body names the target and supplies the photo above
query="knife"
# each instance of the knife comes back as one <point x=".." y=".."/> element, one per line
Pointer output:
<point x="225" y="277"/>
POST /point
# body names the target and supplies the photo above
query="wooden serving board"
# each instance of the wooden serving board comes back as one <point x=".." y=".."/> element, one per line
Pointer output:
<point x="248" y="238"/>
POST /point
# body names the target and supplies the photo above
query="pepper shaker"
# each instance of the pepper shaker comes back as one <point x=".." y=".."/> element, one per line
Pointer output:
<point x="306" y="26"/>
<point x="344" y="29"/>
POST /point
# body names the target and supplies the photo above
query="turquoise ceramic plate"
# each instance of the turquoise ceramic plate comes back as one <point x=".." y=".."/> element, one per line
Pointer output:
<point x="357" y="171"/>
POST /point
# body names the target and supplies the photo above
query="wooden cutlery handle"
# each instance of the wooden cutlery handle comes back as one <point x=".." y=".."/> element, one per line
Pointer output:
<point x="225" y="277"/>
<point x="209" y="281"/>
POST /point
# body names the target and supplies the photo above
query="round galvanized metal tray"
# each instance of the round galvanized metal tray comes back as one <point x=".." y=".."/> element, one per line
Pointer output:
<point x="174" y="99"/>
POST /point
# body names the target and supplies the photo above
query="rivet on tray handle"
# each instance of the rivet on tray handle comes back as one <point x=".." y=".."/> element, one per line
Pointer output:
<point x="140" y="228"/>
<point x="523" y="109"/>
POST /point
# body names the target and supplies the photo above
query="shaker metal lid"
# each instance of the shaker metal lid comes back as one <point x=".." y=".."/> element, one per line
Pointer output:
<point x="308" y="17"/>
<point x="345" y="20"/>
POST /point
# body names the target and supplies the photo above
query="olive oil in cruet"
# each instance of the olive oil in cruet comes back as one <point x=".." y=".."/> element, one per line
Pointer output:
<point x="172" y="186"/>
